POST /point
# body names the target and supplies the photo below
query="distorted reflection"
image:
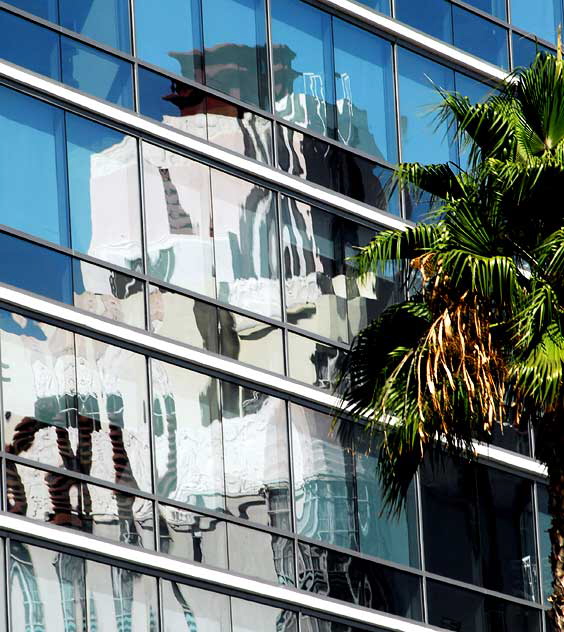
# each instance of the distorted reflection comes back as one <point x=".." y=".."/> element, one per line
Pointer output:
<point x="314" y="362"/>
<point x="68" y="502"/>
<point x="74" y="402"/>
<point x="186" y="609"/>
<point x="246" y="245"/>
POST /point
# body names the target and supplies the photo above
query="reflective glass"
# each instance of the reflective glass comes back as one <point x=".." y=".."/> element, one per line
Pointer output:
<point x="314" y="362"/>
<point x="364" y="91"/>
<point x="540" y="18"/>
<point x="495" y="7"/>
<point x="47" y="9"/>
<point x="391" y="538"/>
<point x="68" y="502"/>
<point x="106" y="21"/>
<point x="170" y="39"/>
<point x="104" y="192"/>
<point x="253" y="617"/>
<point x="524" y="50"/>
<point x="36" y="269"/>
<point x="430" y="16"/>
<point x="192" y="536"/>
<point x="188" y="437"/>
<point x="120" y="599"/>
<point x="510" y="437"/>
<point x="183" y="318"/>
<point x="251" y="341"/>
<point x="358" y="581"/>
<point x="112" y="409"/>
<point x="43" y="57"/>
<point x="96" y="73"/>
<point x="313" y="624"/>
<point x="186" y="609"/>
<point x="335" y="168"/>
<point x="303" y="66"/>
<point x="486" y="534"/>
<point x="422" y="140"/>
<point x="32" y="167"/>
<point x="255" y="451"/>
<point x="47" y="590"/>
<point x="246" y="245"/>
<point x="263" y="555"/>
<point x="456" y="609"/>
<point x="314" y="269"/>
<point x="383" y="6"/>
<point x="324" y="485"/>
<point x="109" y="293"/>
<point x="480" y="37"/>
<point x="544" y="524"/>
<point x="178" y="220"/>
<point x="235" y="49"/>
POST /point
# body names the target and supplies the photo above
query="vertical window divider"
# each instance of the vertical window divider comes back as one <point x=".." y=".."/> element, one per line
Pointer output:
<point x="293" y="521"/>
<point x="6" y="589"/>
<point x="421" y="539"/>
<point x="395" y="79"/>
<point x="535" y="509"/>
<point x="271" y="82"/>
<point x="282" y="286"/>
<point x="132" y="39"/>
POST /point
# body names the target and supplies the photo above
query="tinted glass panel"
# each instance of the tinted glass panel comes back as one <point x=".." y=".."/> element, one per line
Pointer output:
<point x="97" y="73"/>
<point x="323" y="478"/>
<point x="313" y="624"/>
<point x="254" y="617"/>
<point x="314" y="272"/>
<point x="104" y="192"/>
<point x="380" y="5"/>
<point x="314" y="362"/>
<point x="178" y="220"/>
<point x="188" y="437"/>
<point x="525" y="50"/>
<point x="480" y="37"/>
<point x="422" y="140"/>
<point x="171" y="39"/>
<point x="32" y="196"/>
<point x="47" y="590"/>
<point x="43" y="57"/>
<point x="465" y="611"/>
<point x="302" y="64"/>
<point x="185" y="607"/>
<point x="541" y="18"/>
<point x="358" y="581"/>
<point x="104" y="20"/>
<point x="430" y="16"/>
<point x="67" y="502"/>
<point x="235" y="49"/>
<point x="365" y="91"/>
<point x="246" y="237"/>
<point x="544" y="521"/>
<point x="35" y="269"/>
<point x="495" y="7"/>
<point x="255" y="445"/>
<point x="43" y="8"/>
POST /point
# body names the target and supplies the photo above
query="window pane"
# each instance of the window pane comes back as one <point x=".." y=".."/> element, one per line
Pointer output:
<point x="540" y="18"/>
<point x="43" y="8"/>
<point x="47" y="590"/>
<point x="314" y="269"/>
<point x="323" y="478"/>
<point x="422" y="141"/>
<point x="188" y="438"/>
<point x="463" y="610"/>
<point x="235" y="49"/>
<point x="525" y="50"/>
<point x="255" y="450"/>
<point x="253" y="617"/>
<point x="251" y="341"/>
<point x="314" y="362"/>
<point x="104" y="192"/>
<point x="313" y="624"/>
<point x="36" y="269"/>
<point x="104" y="20"/>
<point x="178" y="222"/>
<point x="430" y="16"/>
<point x="112" y="399"/>
<point x="365" y="91"/>
<point x="545" y="522"/>
<point x="358" y="581"/>
<point x="120" y="599"/>
<point x="302" y="64"/>
<point x="67" y="502"/>
<point x="186" y="607"/>
<point x="43" y="57"/>
<point x="383" y="6"/>
<point x="495" y="7"/>
<point x="32" y="199"/>
<point x="96" y="73"/>
<point x="246" y="251"/>
<point x="109" y="293"/>
<point x="170" y="39"/>
<point x="480" y="37"/>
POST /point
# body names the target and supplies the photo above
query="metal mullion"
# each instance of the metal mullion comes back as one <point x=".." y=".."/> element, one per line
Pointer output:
<point x="6" y="589"/>
<point x="316" y="337"/>
<point x="152" y="455"/>
<point x="532" y="37"/>
<point x="421" y="542"/>
<point x="536" y="511"/>
<point x="293" y="517"/>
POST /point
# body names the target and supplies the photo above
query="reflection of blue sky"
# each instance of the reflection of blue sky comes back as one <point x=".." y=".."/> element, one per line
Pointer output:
<point x="241" y="22"/>
<point x="540" y="17"/>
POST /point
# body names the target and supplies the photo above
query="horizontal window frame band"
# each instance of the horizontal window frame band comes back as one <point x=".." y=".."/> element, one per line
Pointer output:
<point x="144" y="126"/>
<point x="276" y="595"/>
<point x="278" y="385"/>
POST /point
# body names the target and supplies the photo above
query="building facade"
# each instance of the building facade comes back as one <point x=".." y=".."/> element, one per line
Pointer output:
<point x="182" y="183"/>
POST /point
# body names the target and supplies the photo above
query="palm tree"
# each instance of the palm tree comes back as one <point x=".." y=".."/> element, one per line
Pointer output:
<point x="480" y="340"/>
